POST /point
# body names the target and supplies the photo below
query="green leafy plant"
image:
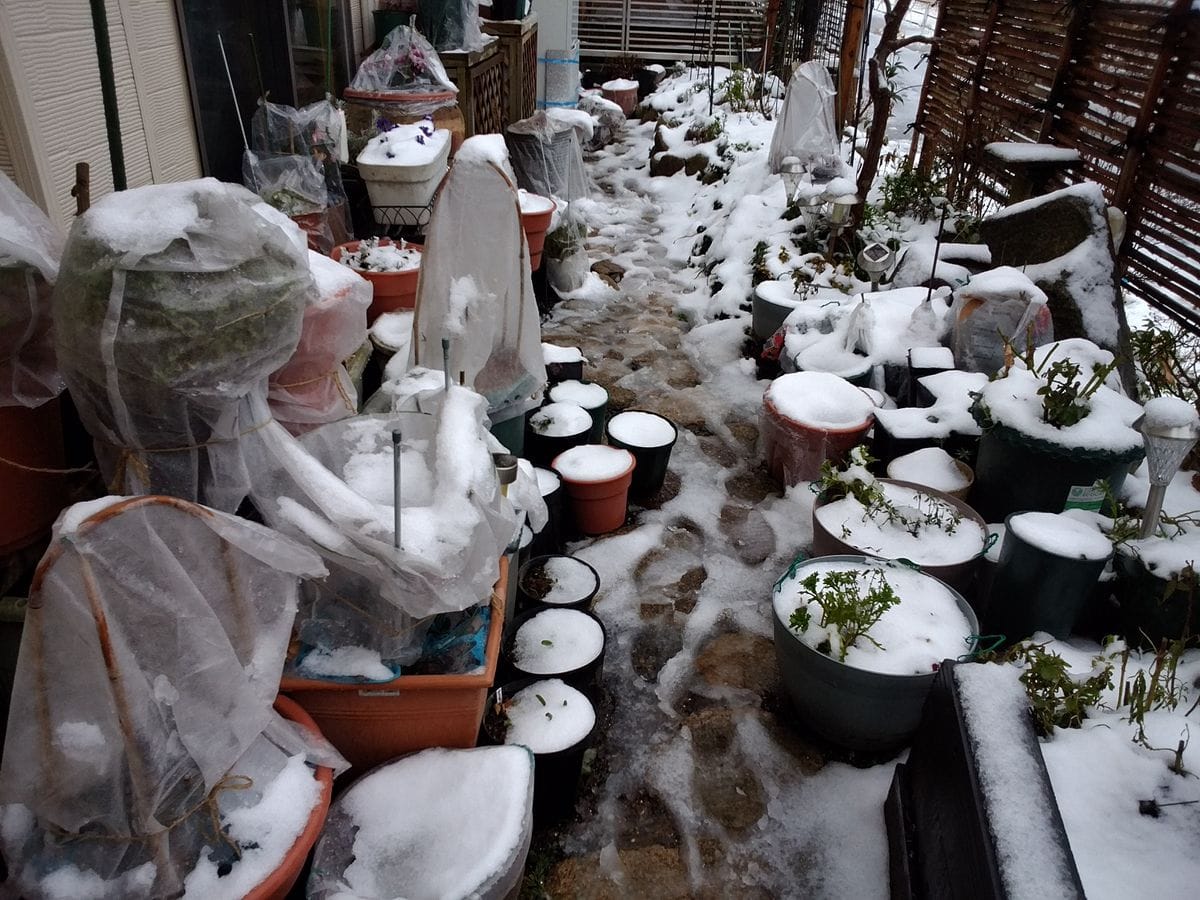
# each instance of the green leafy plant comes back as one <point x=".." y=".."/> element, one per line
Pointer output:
<point x="758" y="264"/>
<point x="1168" y="361"/>
<point x="1065" y="395"/>
<point x="850" y="603"/>
<point x="1057" y="698"/>
<point x="705" y="129"/>
<point x="909" y="192"/>
<point x="739" y="91"/>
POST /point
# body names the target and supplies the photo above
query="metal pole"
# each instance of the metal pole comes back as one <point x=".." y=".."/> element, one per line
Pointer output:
<point x="396" y="486"/>
<point x="108" y="93"/>
<point x="1153" y="510"/>
<point x="233" y="93"/>
<point x="446" y="362"/>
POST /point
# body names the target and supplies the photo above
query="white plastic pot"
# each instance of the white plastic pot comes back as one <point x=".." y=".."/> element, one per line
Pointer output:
<point x="403" y="185"/>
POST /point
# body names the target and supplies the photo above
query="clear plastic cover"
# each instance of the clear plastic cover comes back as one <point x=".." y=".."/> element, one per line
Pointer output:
<point x="142" y="705"/>
<point x="806" y="128"/>
<point x="30" y="249"/>
<point x="981" y="322"/>
<point x="405" y="62"/>
<point x="174" y="304"/>
<point x="313" y="387"/>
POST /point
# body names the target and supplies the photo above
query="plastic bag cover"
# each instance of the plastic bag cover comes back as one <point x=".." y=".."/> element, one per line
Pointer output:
<point x="30" y="248"/>
<point x="405" y="62"/>
<point x="151" y="656"/>
<point x="806" y="127"/>
<point x="475" y="288"/>
<point x="981" y="319"/>
<point x="174" y="305"/>
<point x="313" y="387"/>
<point x="546" y="154"/>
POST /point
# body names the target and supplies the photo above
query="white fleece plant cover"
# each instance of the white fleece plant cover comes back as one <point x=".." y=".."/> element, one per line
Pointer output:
<point x="150" y="659"/>
<point x="806" y="127"/>
<point x="334" y="491"/>
<point x="475" y="287"/>
<point x="173" y="306"/>
<point x="30" y="248"/>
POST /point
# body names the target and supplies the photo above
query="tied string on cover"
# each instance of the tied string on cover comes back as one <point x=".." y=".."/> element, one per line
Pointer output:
<point x="129" y="458"/>
<point x="332" y="375"/>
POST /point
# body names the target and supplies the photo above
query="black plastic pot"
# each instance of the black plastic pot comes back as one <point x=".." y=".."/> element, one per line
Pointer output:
<point x="555" y="775"/>
<point x="540" y="449"/>
<point x="652" y="462"/>
<point x="529" y="595"/>
<point x="1015" y="473"/>
<point x="916" y="394"/>
<point x="564" y="371"/>
<point x="508" y="10"/>
<point x="1147" y="614"/>
<point x="647" y="81"/>
<point x="854" y="708"/>
<point x="598" y="413"/>
<point x="1035" y="590"/>
<point x="585" y="678"/>
<point x="550" y="539"/>
<point x="885" y="446"/>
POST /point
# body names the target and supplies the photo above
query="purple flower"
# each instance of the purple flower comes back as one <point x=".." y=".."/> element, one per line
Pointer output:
<point x="417" y="57"/>
<point x="420" y="140"/>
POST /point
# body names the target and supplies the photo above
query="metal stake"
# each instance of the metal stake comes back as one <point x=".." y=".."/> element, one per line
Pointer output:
<point x="236" y="108"/>
<point x="396" y="484"/>
<point x="446" y="362"/>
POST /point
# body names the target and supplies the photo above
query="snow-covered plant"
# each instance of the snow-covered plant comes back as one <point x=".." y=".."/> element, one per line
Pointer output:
<point x="1159" y="686"/>
<point x="1064" y="391"/>
<point x="850" y="603"/>
<point x="1057" y="698"/>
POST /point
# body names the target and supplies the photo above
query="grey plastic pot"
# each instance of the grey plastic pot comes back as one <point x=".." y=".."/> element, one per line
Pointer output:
<point x="767" y="315"/>
<point x="854" y="708"/>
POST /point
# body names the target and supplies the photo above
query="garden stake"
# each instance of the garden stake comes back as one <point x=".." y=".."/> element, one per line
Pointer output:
<point x="232" y="92"/>
<point x="937" y="249"/>
<point x="396" y="485"/>
<point x="446" y="362"/>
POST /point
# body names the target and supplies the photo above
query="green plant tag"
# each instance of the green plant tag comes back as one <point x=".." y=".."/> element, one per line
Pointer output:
<point x="1089" y="497"/>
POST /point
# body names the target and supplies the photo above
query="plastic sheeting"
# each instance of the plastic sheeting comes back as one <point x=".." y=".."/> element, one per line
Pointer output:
<point x="137" y="699"/>
<point x="313" y="387"/>
<point x="174" y="305"/>
<point x="475" y="289"/>
<point x="334" y="490"/>
<point x="983" y="318"/>
<point x="30" y="248"/>
<point x="806" y="128"/>
<point x="404" y="62"/>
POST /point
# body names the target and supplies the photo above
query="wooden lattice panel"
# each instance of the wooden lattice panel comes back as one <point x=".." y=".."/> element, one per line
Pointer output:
<point x="518" y="41"/>
<point x="488" y="95"/>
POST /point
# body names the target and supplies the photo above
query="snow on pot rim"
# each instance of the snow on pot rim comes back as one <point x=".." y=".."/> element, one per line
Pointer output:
<point x="405" y="145"/>
<point x="379" y="256"/>
<point x="548" y="481"/>
<point x="1059" y="534"/>
<point x="560" y="419"/>
<point x="829" y="358"/>
<point x="1164" y="557"/>
<point x="571" y="580"/>
<point x="938" y="357"/>
<point x="848" y="521"/>
<point x="557" y="641"/>
<point x="552" y="353"/>
<point x="820" y="400"/>
<point x="535" y="204"/>
<point x="932" y="467"/>
<point x="592" y="463"/>
<point x="392" y="331"/>
<point x="645" y="430"/>
<point x="582" y="393"/>
<point x="548" y="716"/>
<point x="925" y="627"/>
<point x="619" y="84"/>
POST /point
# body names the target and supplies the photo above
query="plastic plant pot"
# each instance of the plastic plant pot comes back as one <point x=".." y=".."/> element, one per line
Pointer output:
<point x="511" y="433"/>
<point x="392" y="290"/>
<point x="365" y="108"/>
<point x="550" y="539"/>
<point x="536" y="213"/>
<point x="924" y="361"/>
<point x="647" y="80"/>
<point x="623" y="92"/>
<point x="897" y="469"/>
<point x="33" y="497"/>
<point x="855" y="708"/>
<point x="556" y="774"/>
<point x="767" y="311"/>
<point x="585" y="676"/>
<point x="1149" y="611"/>
<point x="278" y="885"/>
<point x="397" y="184"/>
<point x="649" y="437"/>
<point x="558" y="581"/>
<point x="795" y="449"/>
<point x="554" y="429"/>
<point x="596" y="479"/>
<point x="591" y="397"/>
<point x="1043" y="588"/>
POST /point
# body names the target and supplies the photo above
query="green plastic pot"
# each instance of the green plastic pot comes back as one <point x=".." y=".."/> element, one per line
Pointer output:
<point x="1148" y="615"/>
<point x="511" y="433"/>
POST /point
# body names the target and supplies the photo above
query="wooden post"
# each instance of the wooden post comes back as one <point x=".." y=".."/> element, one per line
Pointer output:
<point x="852" y="43"/>
<point x="1072" y="45"/>
<point x="969" y="108"/>
<point x="82" y="190"/>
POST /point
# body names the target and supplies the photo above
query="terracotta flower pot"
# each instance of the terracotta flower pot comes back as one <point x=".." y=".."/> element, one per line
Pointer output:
<point x="32" y="499"/>
<point x="794" y="451"/>
<point x="393" y="290"/>
<point x="623" y="92"/>
<point x="536" y="213"/>
<point x="279" y="883"/>
<point x="599" y="504"/>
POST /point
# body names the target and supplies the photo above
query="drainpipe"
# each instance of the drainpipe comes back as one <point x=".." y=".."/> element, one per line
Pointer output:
<point x="108" y="89"/>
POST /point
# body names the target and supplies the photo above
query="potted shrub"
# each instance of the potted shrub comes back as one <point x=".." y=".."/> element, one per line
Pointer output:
<point x="809" y="417"/>
<point x="560" y="643"/>
<point x="1052" y="426"/>
<point x="554" y="428"/>
<point x="597" y="480"/>
<point x="564" y="582"/>
<point x="556" y="723"/>
<point x="649" y="437"/>
<point x="392" y="268"/>
<point x="591" y="397"/>
<point x="858" y="513"/>
<point x="858" y="642"/>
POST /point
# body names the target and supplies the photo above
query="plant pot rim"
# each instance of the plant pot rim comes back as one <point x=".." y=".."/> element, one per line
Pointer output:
<point x="1008" y="530"/>
<point x="626" y="445"/>
<point x="773" y="411"/>
<point x="567" y="674"/>
<point x="1014" y="436"/>
<point x="351" y="246"/>
<point x="399" y="96"/>
<point x="516" y="685"/>
<point x="540" y="560"/>
<point x="627" y="471"/>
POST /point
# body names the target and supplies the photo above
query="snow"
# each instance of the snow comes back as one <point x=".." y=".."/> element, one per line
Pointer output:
<point x="593" y="462"/>
<point x="548" y="716"/>
<point x="570" y="580"/>
<point x="930" y="466"/>
<point x="394" y="330"/>
<point x="641" y="429"/>
<point x="145" y="220"/>
<point x="552" y="353"/>
<point x="439" y="823"/>
<point x="560" y="420"/>
<point x="78" y="513"/>
<point x="1004" y="282"/>
<point x="331" y="278"/>
<point x="346" y="662"/>
<point x="949" y="414"/>
<point x="1020" y="152"/>
<point x="382" y="256"/>
<point x="943" y="544"/>
<point x="556" y="641"/>
<point x="820" y="400"/>
<point x="619" y="84"/>
<point x="547" y="480"/>
<point x="405" y="145"/>
<point x="533" y="204"/>
<point x="581" y="393"/>
<point x="916" y="634"/>
<point x="1032" y="865"/>
<point x="931" y="358"/>
<point x="1170" y="412"/>
<point x="482" y="149"/>
<point x="1060" y="535"/>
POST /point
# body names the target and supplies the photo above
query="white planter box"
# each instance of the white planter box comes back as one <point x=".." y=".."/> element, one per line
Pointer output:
<point x="403" y="185"/>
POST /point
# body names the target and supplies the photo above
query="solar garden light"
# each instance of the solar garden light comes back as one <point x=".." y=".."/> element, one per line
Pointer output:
<point x="792" y="171"/>
<point x="1166" y="448"/>
<point x="875" y="259"/>
<point x="839" y="216"/>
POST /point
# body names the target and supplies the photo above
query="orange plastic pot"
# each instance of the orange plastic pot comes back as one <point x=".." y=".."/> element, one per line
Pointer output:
<point x="794" y="451"/>
<point x="535" y="225"/>
<point x="392" y="290"/>
<point x="370" y="724"/>
<point x="279" y="883"/>
<point x="599" y="506"/>
<point x="31" y="442"/>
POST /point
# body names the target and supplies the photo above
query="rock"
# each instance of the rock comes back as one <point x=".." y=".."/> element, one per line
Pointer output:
<point x="645" y="822"/>
<point x="653" y="647"/>
<point x="729" y="792"/>
<point x="752" y="485"/>
<point x="654" y="871"/>
<point x="712" y="730"/>
<point x="1048" y="228"/>
<point x="739" y="660"/>
<point x="749" y="533"/>
<point x="606" y="267"/>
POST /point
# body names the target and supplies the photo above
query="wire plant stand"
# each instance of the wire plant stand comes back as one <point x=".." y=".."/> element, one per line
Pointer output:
<point x="406" y="222"/>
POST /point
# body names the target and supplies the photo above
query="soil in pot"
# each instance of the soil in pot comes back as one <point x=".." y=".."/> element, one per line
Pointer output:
<point x="565" y="582"/>
<point x="556" y="723"/>
<point x="649" y="437"/>
<point x="554" y="429"/>
<point x="1049" y="564"/>
<point x="935" y="468"/>
<point x="392" y="269"/>
<point x="870" y="696"/>
<point x="563" y="643"/>
<point x="809" y="417"/>
<point x="596" y="479"/>
<point x="591" y="397"/>
<point x="439" y="823"/>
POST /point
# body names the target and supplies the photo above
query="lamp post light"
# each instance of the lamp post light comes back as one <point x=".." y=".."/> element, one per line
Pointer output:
<point x="839" y="216"/>
<point x="875" y="259"/>
<point x="1168" y="441"/>
<point x="792" y="171"/>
